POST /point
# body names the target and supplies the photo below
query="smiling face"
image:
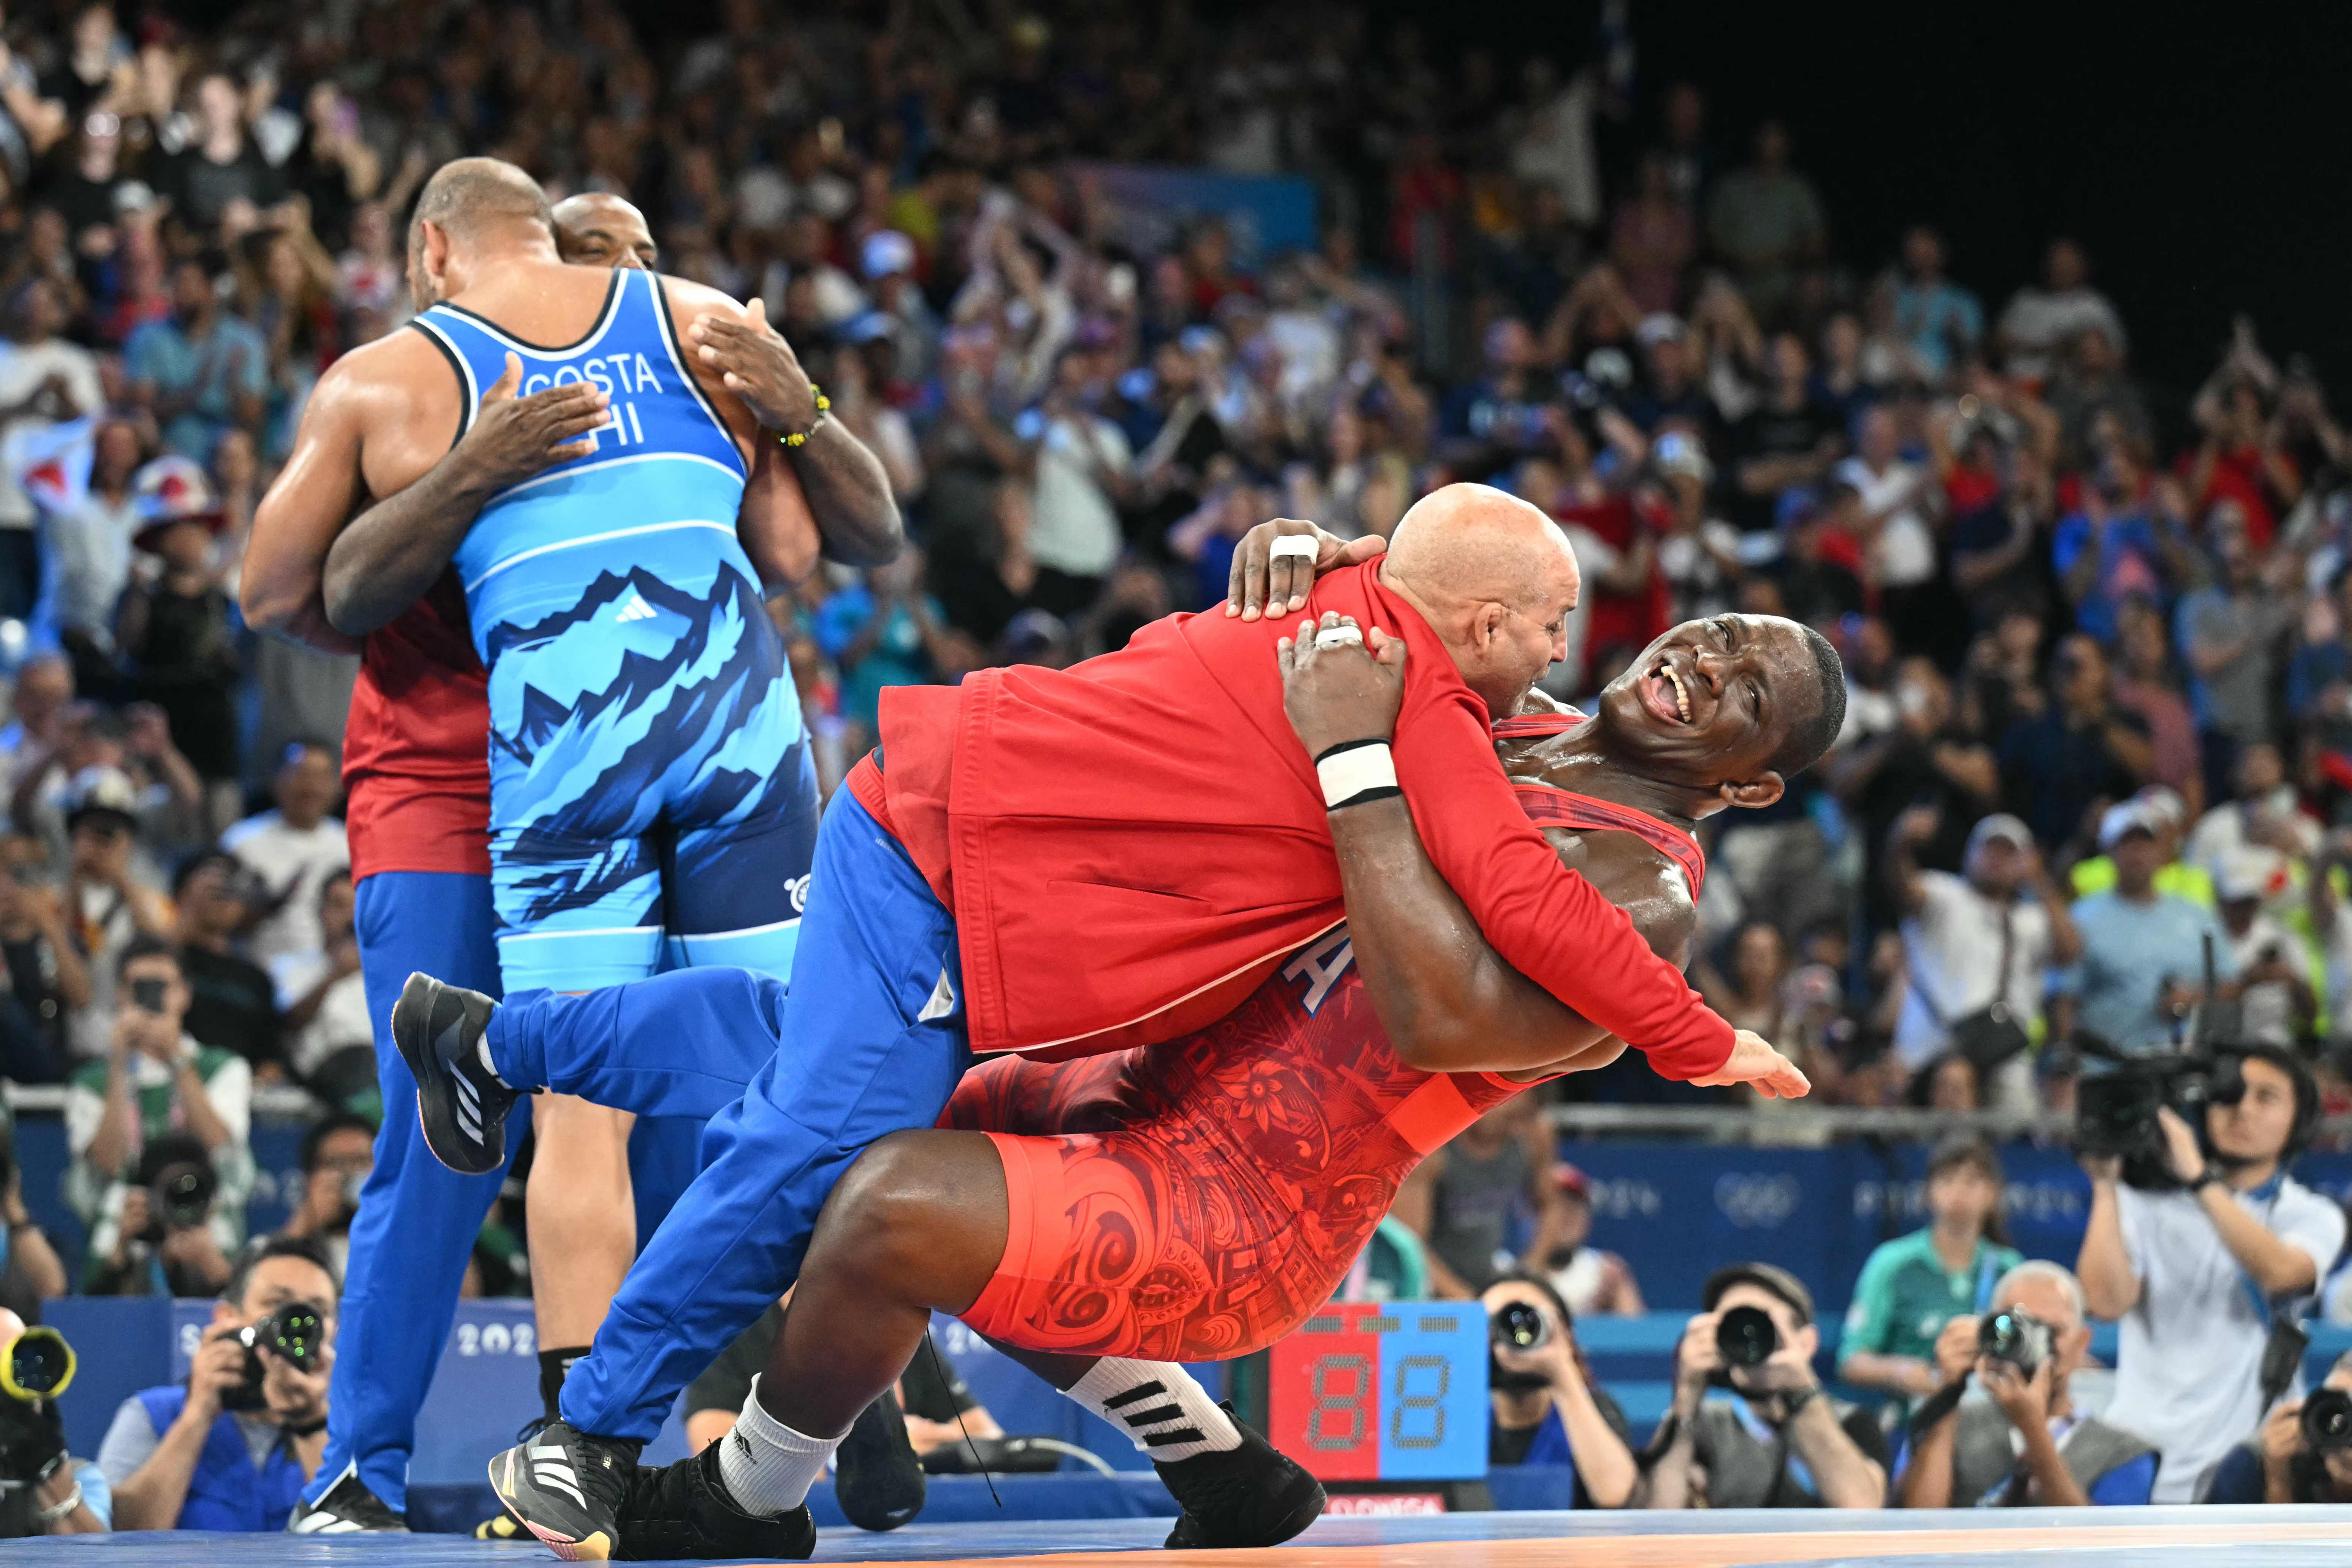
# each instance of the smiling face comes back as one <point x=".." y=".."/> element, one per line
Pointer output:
<point x="1712" y="702"/>
<point x="598" y="229"/>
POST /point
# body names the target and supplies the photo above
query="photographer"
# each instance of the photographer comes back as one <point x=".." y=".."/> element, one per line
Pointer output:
<point x="1547" y="1410"/>
<point x="1911" y="1287"/>
<point x="232" y="1448"/>
<point x="337" y="1153"/>
<point x="1778" y="1441"/>
<point x="2196" y="1274"/>
<point x="156" y="1080"/>
<point x="2024" y="1445"/>
<point x="156" y="1235"/>
<point x="2304" y="1453"/>
<point x="43" y="1490"/>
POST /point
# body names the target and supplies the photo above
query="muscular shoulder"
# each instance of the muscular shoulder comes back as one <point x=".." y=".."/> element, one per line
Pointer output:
<point x="401" y="363"/>
<point x="691" y="301"/>
<point x="1635" y="876"/>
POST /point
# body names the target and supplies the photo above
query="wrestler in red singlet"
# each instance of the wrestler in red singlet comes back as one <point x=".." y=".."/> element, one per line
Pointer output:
<point x="1197" y="1200"/>
<point x="415" y="763"/>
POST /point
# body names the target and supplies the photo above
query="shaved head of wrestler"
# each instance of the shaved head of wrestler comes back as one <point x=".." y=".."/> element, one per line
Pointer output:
<point x="474" y="213"/>
<point x="1495" y="578"/>
<point x="924" y="1219"/>
<point x="597" y="229"/>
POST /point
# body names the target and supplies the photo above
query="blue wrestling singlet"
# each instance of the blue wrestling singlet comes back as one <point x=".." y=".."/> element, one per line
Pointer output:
<point x="648" y="758"/>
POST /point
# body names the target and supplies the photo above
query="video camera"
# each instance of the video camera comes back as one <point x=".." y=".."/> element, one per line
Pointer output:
<point x="295" y="1333"/>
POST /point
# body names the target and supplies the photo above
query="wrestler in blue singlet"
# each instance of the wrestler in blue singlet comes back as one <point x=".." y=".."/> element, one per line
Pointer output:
<point x="646" y="736"/>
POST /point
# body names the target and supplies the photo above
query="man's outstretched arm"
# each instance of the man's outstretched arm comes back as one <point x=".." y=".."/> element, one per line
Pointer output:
<point x="1447" y="1000"/>
<point x="390" y="556"/>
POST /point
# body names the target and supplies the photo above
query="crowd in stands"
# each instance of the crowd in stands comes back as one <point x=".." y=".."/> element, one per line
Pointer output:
<point x="2098" y="638"/>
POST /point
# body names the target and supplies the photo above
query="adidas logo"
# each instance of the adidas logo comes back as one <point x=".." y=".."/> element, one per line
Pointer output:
<point x="634" y="608"/>
<point x="551" y="1468"/>
<point x="469" y="1102"/>
<point x="1139" y="1421"/>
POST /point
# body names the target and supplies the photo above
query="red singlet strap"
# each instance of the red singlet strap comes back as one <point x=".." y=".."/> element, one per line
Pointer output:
<point x="1549" y="807"/>
<point x="1535" y="726"/>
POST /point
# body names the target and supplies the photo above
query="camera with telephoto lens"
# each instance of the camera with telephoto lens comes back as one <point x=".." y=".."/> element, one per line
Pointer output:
<point x="1519" y="1326"/>
<point x="182" y="1198"/>
<point x="2019" y="1339"/>
<point x="296" y="1334"/>
<point x="2327" y="1421"/>
<point x="36" y="1366"/>
<point x="1746" y="1337"/>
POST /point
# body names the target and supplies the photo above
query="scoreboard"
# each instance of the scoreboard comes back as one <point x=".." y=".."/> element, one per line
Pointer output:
<point x="1388" y="1391"/>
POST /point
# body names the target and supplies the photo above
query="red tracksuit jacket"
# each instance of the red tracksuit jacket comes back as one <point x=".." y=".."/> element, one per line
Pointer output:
<point x="1129" y="845"/>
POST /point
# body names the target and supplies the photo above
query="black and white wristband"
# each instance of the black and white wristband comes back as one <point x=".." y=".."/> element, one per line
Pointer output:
<point x="1354" y="772"/>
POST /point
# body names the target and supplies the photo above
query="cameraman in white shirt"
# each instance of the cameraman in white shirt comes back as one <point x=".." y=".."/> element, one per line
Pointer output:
<point x="2196" y="1275"/>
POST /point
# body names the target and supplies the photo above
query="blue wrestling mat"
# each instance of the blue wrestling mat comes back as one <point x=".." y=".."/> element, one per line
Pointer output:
<point x="2080" y="1538"/>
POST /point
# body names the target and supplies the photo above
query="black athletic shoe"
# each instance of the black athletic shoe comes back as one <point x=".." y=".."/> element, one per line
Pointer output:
<point x="348" y="1508"/>
<point x="876" y="1478"/>
<point x="567" y="1486"/>
<point x="684" y="1512"/>
<point x="1251" y="1496"/>
<point x="460" y="1103"/>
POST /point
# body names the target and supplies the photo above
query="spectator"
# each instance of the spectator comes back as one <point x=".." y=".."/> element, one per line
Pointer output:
<point x="885" y="631"/>
<point x="2167" y="816"/>
<point x="2140" y="974"/>
<point x="2083" y="749"/>
<point x="2276" y="1002"/>
<point x="174" y="630"/>
<point x="1791" y="438"/>
<point x="2279" y="1465"/>
<point x="1899" y="503"/>
<point x="93" y="555"/>
<point x="2229" y="634"/>
<point x="338" y="1153"/>
<point x="221" y="172"/>
<point x="322" y="1002"/>
<point x="44" y="381"/>
<point x="36" y="730"/>
<point x="1082" y="465"/>
<point x="158" y="1233"/>
<point x="2193" y="1274"/>
<point x="2040" y="322"/>
<point x="1592" y="1282"/>
<point x="2108" y="550"/>
<point x="155" y="1079"/>
<point x="1912" y="1287"/>
<point x="30" y="1269"/>
<point x="108" y="902"/>
<point x="2024" y="1445"/>
<point x="1777" y="1439"/>
<point x="233" y="1006"/>
<point x="2262" y="812"/>
<point x="2148" y="684"/>
<point x="1462" y="1201"/>
<point x="45" y="977"/>
<point x="185" y="1456"/>
<point x="1766" y="221"/>
<point x="292" y="850"/>
<point x="1940" y="320"/>
<point x="200" y="372"/>
<point x="1546" y="1407"/>
<point x="1976" y="961"/>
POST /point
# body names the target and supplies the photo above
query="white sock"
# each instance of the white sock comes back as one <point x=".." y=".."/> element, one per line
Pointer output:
<point x="1159" y="1404"/>
<point x="767" y="1466"/>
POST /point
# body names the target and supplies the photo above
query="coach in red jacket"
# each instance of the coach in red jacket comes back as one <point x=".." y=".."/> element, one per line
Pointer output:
<point x="1077" y="860"/>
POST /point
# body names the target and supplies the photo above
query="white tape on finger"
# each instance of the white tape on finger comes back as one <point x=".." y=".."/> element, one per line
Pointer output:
<point x="1293" y="545"/>
<point x="1339" y="637"/>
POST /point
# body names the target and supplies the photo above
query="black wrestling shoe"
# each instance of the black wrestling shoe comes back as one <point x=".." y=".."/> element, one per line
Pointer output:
<point x="876" y="1478"/>
<point x="460" y="1103"/>
<point x="684" y="1512"/>
<point x="567" y="1486"/>
<point x="1251" y="1496"/>
<point x="348" y="1508"/>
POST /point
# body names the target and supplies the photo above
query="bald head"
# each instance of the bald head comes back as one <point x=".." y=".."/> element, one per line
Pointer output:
<point x="1495" y="578"/>
<point x="471" y="197"/>
<point x="596" y="228"/>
